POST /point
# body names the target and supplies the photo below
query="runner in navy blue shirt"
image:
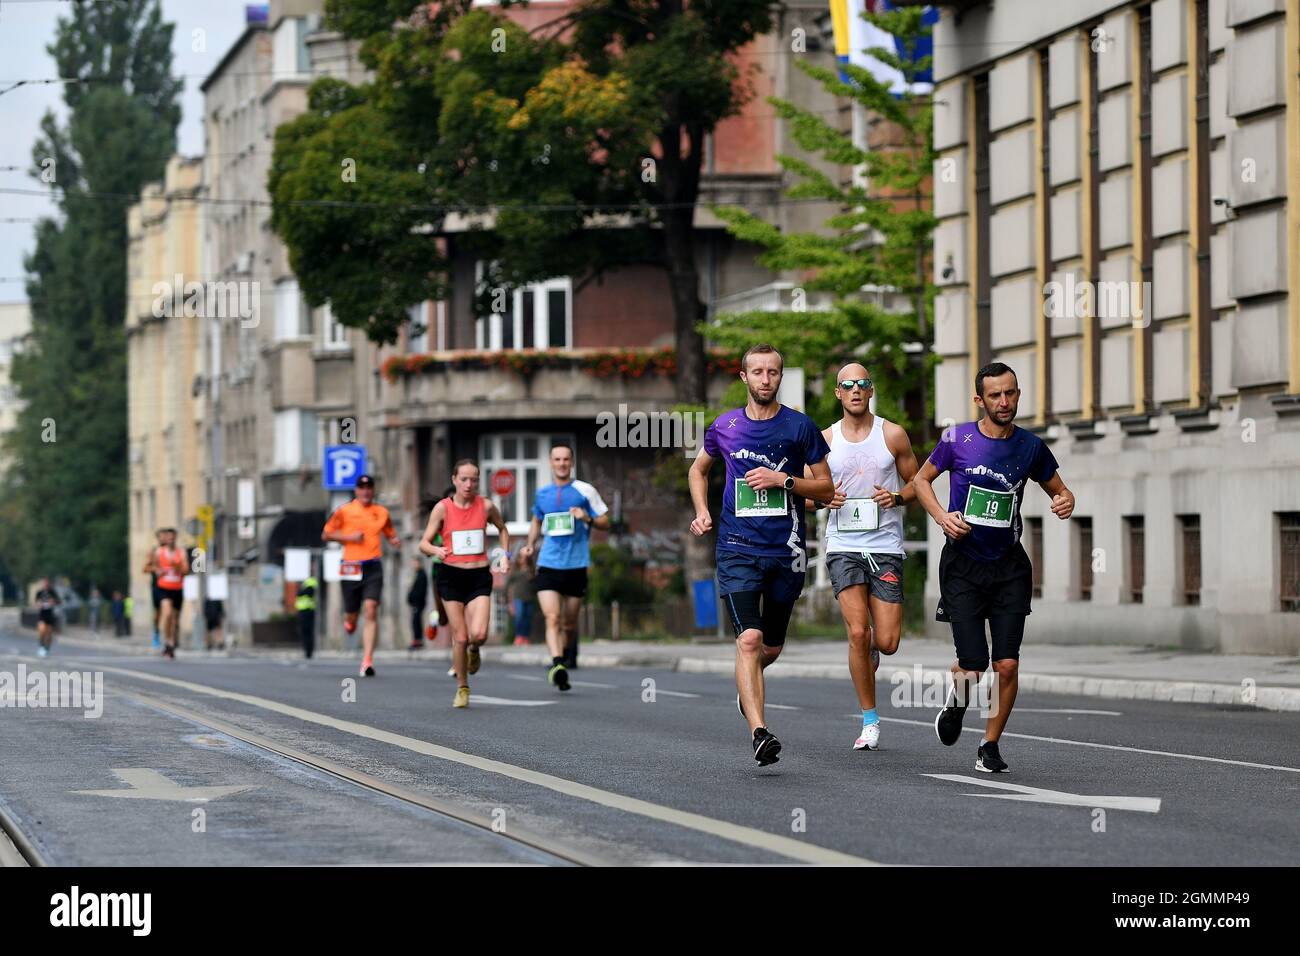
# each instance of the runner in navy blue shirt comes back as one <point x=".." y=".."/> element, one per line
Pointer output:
<point x="761" y="552"/>
<point x="984" y="573"/>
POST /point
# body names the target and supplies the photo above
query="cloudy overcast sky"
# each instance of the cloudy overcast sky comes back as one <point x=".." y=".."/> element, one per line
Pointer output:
<point x="26" y="29"/>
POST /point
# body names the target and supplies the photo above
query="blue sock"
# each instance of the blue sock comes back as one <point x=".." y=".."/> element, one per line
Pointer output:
<point x="869" y="717"/>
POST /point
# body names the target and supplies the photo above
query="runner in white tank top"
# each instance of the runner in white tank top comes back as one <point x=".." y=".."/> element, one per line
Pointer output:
<point x="873" y="465"/>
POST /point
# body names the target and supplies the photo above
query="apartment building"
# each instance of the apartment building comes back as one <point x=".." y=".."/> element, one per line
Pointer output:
<point x="1117" y="189"/>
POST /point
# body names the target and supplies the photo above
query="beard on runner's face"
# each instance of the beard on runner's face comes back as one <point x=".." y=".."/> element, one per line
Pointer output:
<point x="760" y="399"/>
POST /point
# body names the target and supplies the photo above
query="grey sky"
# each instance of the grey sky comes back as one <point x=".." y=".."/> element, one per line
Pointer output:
<point x="26" y="28"/>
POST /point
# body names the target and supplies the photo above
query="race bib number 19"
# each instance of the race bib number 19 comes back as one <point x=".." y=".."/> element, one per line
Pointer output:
<point x="989" y="508"/>
<point x="768" y="503"/>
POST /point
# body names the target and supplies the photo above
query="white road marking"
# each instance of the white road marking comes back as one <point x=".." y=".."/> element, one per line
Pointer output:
<point x="1067" y="710"/>
<point x="1039" y="795"/>
<point x="587" y="683"/>
<point x="524" y="677"/>
<point x="1133" y="750"/>
<point x="675" y="693"/>
<point x="782" y="707"/>
<point x="146" y="784"/>
<point x="485" y="699"/>
<point x="747" y="836"/>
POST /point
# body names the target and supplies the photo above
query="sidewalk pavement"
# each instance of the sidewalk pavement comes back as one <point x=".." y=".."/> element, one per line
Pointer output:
<point x="1110" y="671"/>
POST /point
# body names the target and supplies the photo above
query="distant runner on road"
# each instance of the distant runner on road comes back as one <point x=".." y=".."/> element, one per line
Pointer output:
<point x="564" y="512"/>
<point x="170" y="564"/>
<point x="359" y="525"/>
<point x="465" y="580"/>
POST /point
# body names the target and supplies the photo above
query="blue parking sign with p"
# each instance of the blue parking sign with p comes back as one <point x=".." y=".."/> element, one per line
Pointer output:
<point x="342" y="465"/>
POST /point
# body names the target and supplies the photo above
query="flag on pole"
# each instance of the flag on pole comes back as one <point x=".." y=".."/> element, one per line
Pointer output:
<point x="854" y="36"/>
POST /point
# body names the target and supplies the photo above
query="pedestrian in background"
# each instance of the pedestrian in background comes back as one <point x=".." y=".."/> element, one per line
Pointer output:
<point x="214" y="615"/>
<point x="305" y="605"/>
<point x="418" y="599"/>
<point x="128" y="605"/>
<point x="118" y="610"/>
<point x="95" y="602"/>
<point x="521" y="587"/>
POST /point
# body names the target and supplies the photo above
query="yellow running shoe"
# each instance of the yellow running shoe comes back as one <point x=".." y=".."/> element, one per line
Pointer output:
<point x="462" y="697"/>
<point x="475" y="661"/>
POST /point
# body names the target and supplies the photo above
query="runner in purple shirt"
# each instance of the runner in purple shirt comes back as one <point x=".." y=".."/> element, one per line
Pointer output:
<point x="761" y="552"/>
<point x="984" y="573"/>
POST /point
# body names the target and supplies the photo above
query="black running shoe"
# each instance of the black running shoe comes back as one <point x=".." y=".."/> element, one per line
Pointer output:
<point x="559" y="676"/>
<point x="988" y="759"/>
<point x="947" y="725"/>
<point x="169" y="651"/>
<point x="766" y="747"/>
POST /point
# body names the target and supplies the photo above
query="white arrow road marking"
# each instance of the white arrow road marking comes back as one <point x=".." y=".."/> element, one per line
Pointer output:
<point x="505" y="701"/>
<point x="1037" y="795"/>
<point x="146" y="784"/>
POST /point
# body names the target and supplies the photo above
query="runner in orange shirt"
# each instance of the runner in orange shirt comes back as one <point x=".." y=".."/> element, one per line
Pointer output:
<point x="359" y="525"/>
<point x="170" y="564"/>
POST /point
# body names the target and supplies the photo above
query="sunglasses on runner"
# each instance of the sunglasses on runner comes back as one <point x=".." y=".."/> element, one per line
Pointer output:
<point x="862" y="383"/>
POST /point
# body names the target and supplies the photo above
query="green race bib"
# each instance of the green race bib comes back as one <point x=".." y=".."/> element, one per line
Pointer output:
<point x="768" y="503"/>
<point x="558" y="523"/>
<point x="858" y="514"/>
<point x="988" y="507"/>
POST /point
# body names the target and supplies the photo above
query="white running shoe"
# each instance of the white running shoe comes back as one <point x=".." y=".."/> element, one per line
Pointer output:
<point x="451" y="672"/>
<point x="42" y="652"/>
<point x="869" y="739"/>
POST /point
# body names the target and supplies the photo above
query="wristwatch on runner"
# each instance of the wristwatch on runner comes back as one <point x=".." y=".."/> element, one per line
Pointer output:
<point x="898" y="499"/>
<point x="788" y="484"/>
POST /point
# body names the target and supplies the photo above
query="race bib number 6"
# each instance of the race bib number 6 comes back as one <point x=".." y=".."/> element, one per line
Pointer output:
<point x="467" y="542"/>
<point x="989" y="507"/>
<point x="767" y="503"/>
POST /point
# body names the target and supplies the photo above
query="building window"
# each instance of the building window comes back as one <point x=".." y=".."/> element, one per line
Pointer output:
<point x="1191" y="535"/>
<point x="1136" y="527"/>
<point x="417" y="328"/>
<point x="1085" y="558"/>
<point x="1035" y="527"/>
<point x="334" y="334"/>
<point x="292" y="317"/>
<point x="528" y="455"/>
<point x="539" y="315"/>
<point x="297" y="438"/>
<point x="1289" y="529"/>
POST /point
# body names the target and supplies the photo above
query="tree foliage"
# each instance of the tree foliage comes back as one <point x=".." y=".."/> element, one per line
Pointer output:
<point x="880" y="240"/>
<point x="67" y="482"/>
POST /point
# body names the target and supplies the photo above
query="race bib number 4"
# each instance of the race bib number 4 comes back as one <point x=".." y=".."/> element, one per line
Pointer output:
<point x="558" y="523"/>
<point x="989" y="508"/>
<point x="858" y="514"/>
<point x="467" y="542"/>
<point x="349" y="570"/>
<point x="768" y="503"/>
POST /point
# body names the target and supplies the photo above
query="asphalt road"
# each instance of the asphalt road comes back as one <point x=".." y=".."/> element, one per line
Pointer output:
<point x="633" y="766"/>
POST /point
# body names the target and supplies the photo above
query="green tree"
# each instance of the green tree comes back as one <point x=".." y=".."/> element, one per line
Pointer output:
<point x="879" y="240"/>
<point x="586" y="136"/>
<point x="68" y="477"/>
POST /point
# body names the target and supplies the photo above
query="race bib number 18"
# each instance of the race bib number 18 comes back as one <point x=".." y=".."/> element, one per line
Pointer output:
<point x="989" y="508"/>
<point x="768" y="503"/>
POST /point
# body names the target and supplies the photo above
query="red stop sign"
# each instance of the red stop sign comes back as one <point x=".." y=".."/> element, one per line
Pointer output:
<point x="503" y="481"/>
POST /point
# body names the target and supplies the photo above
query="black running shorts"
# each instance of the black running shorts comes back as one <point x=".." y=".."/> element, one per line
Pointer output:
<point x="369" y="588"/>
<point x="463" y="584"/>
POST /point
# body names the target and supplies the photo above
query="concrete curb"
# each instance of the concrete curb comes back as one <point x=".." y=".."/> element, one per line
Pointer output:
<point x="1279" y="699"/>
